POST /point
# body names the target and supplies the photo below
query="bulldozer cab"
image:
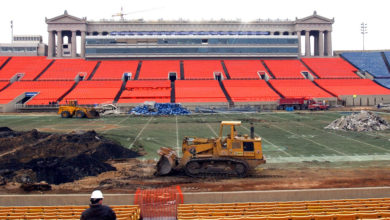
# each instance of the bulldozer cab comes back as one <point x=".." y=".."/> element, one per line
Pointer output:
<point x="233" y="144"/>
<point x="71" y="102"/>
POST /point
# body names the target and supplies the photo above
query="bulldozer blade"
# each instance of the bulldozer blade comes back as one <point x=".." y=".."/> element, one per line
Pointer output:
<point x="167" y="162"/>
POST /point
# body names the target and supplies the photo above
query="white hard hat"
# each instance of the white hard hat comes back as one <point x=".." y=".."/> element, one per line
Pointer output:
<point x="97" y="194"/>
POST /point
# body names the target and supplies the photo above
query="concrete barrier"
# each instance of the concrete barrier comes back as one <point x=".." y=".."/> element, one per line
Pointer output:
<point x="204" y="197"/>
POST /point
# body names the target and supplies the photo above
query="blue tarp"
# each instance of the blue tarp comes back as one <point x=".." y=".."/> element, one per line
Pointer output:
<point x="160" y="109"/>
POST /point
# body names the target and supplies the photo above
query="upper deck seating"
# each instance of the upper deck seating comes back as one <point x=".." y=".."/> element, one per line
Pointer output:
<point x="198" y="91"/>
<point x="94" y="92"/>
<point x="250" y="91"/>
<point x="202" y="69"/>
<point x="298" y="88"/>
<point x="139" y="91"/>
<point x="48" y="91"/>
<point x="286" y="69"/>
<point x="114" y="69"/>
<point x="159" y="69"/>
<point x="331" y="67"/>
<point x="30" y="67"/>
<point x="352" y="87"/>
<point x="68" y="69"/>
<point x="371" y="62"/>
<point x="244" y="69"/>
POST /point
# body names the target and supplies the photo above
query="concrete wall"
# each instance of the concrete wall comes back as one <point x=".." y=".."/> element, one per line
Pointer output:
<point x="204" y="197"/>
<point x="362" y="100"/>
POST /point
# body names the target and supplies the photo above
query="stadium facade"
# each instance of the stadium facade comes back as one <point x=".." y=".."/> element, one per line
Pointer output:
<point x="138" y="38"/>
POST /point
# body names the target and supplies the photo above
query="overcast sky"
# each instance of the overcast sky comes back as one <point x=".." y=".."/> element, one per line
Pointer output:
<point x="29" y="15"/>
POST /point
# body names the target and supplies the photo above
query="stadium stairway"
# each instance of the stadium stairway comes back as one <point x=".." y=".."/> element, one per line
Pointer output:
<point x="5" y="63"/>
<point x="386" y="61"/>
<point x="173" y="91"/>
<point x="6" y="86"/>
<point x="181" y="70"/>
<point x="138" y="70"/>
<point x="118" y="95"/>
<point x="310" y="69"/>
<point x="332" y="94"/>
<point x="275" y="90"/>
<point x="268" y="70"/>
<point x="44" y="70"/>
<point x="67" y="92"/>
<point x="94" y="70"/>
<point x="231" y="103"/>
<point x="225" y="69"/>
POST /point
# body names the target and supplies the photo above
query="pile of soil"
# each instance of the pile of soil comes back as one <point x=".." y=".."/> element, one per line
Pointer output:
<point x="33" y="156"/>
<point x="362" y="121"/>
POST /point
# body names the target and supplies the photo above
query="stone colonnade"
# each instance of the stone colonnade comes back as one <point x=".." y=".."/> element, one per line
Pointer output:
<point x="56" y="42"/>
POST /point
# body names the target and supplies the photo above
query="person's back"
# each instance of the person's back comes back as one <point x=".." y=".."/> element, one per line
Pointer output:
<point x="97" y="210"/>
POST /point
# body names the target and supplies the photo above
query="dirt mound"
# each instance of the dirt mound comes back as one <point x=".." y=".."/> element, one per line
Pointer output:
<point x="362" y="121"/>
<point x="35" y="156"/>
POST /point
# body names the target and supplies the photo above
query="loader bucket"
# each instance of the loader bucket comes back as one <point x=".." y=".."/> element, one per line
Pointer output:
<point x="167" y="162"/>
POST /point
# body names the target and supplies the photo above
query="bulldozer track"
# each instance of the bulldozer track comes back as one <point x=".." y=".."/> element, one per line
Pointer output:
<point x="243" y="168"/>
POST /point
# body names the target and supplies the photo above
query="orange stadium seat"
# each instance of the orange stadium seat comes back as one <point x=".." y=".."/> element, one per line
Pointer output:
<point x="352" y="87"/>
<point x="244" y="69"/>
<point x="199" y="91"/>
<point x="94" y="91"/>
<point x="114" y="69"/>
<point x="286" y="69"/>
<point x="202" y="69"/>
<point x="48" y="91"/>
<point x="159" y="69"/>
<point x="2" y="60"/>
<point x="140" y="91"/>
<point x="30" y="67"/>
<point x="68" y="69"/>
<point x="250" y="91"/>
<point x="331" y="67"/>
<point x="298" y="88"/>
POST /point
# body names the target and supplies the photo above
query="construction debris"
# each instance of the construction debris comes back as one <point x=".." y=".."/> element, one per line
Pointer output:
<point x="159" y="109"/>
<point x="29" y="157"/>
<point x="362" y="121"/>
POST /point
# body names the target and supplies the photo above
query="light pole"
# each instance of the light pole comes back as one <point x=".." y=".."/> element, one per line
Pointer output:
<point x="12" y="31"/>
<point x="363" y="30"/>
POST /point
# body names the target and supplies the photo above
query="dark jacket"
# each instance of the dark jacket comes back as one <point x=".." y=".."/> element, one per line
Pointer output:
<point x="97" y="211"/>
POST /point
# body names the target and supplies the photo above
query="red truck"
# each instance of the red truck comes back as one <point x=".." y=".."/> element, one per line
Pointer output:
<point x="301" y="104"/>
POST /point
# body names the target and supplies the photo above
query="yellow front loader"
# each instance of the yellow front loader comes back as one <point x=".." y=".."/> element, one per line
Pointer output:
<point x="233" y="155"/>
<point x="71" y="108"/>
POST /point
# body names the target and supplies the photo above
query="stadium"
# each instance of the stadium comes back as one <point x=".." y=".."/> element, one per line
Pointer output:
<point x="246" y="70"/>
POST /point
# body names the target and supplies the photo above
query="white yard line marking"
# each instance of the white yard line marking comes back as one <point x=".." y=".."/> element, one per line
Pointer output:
<point x="215" y="133"/>
<point x="177" y="138"/>
<point x="361" y="142"/>
<point x="139" y="133"/>
<point x="116" y="124"/>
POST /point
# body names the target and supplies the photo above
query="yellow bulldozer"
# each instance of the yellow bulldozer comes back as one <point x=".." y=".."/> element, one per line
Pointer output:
<point x="231" y="155"/>
<point x="71" y="108"/>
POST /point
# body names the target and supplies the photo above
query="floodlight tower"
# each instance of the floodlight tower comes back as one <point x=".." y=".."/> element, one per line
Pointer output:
<point x="363" y="31"/>
<point x="12" y="31"/>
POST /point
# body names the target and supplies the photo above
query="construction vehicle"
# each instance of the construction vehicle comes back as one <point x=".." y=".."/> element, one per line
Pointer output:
<point x="233" y="155"/>
<point x="71" y="108"/>
<point x="301" y="104"/>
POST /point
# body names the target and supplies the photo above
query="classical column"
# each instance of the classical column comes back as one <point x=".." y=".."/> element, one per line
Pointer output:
<point x="50" y="49"/>
<point x="299" y="43"/>
<point x="307" y="43"/>
<point x="321" y="43"/>
<point x="82" y="52"/>
<point x="329" y="43"/>
<point x="316" y="44"/>
<point x="59" y="43"/>
<point x="74" y="44"/>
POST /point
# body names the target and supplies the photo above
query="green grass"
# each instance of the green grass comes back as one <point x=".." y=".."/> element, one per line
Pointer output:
<point x="285" y="135"/>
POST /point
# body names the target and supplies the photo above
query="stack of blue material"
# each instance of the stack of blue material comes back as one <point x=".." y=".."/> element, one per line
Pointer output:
<point x="160" y="109"/>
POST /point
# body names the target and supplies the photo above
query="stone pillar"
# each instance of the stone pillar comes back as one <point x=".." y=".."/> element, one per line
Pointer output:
<point x="59" y="43"/>
<point x="299" y="43"/>
<point x="316" y="51"/>
<point x="307" y="43"/>
<point x="74" y="44"/>
<point x="321" y="43"/>
<point x="51" y="45"/>
<point x="82" y="52"/>
<point x="329" y="43"/>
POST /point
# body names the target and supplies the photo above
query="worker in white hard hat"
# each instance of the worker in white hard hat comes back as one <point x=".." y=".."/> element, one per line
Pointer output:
<point x="96" y="209"/>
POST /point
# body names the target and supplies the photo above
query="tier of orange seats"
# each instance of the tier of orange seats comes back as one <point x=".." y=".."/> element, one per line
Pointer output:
<point x="29" y="66"/>
<point x="159" y="69"/>
<point x="68" y="69"/>
<point x="352" y="87"/>
<point x="202" y="69"/>
<point x="250" y="91"/>
<point x="299" y="88"/>
<point x="146" y="90"/>
<point x="331" y="67"/>
<point x="309" y="210"/>
<point x="48" y="91"/>
<point x="198" y="91"/>
<point x="286" y="69"/>
<point x="2" y="60"/>
<point x="3" y="84"/>
<point x="244" y="69"/>
<point x="94" y="92"/>
<point x="115" y="69"/>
